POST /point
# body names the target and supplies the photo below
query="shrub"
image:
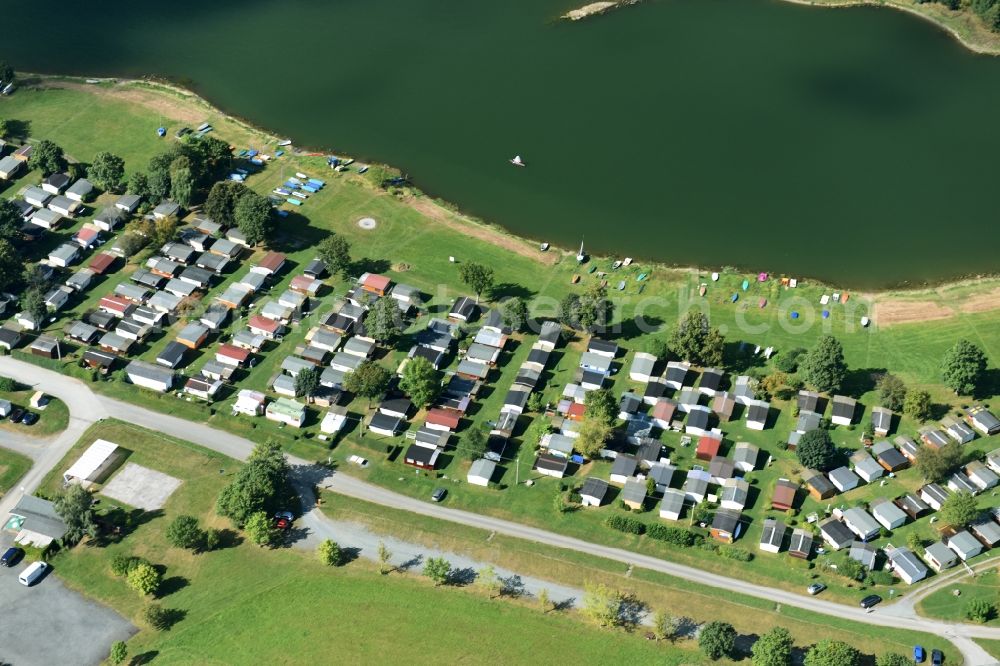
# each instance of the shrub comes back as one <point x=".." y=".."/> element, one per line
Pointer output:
<point x="979" y="610"/>
<point x="734" y="553"/>
<point x="156" y="616"/>
<point x="144" y="579"/>
<point x="119" y="651"/>
<point x="677" y="536"/>
<point x="625" y="524"/>
<point x="212" y="539"/>
<point x="328" y="553"/>
<point x="881" y="577"/>
<point x="184" y="532"/>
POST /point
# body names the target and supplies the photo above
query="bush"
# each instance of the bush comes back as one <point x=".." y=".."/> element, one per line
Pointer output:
<point x="144" y="579"/>
<point x="156" y="616"/>
<point x="119" y="651"/>
<point x="123" y="564"/>
<point x="980" y="610"/>
<point x="881" y="577"/>
<point x="212" y="539"/>
<point x="734" y="553"/>
<point x="184" y="532"/>
<point x="328" y="553"/>
<point x="789" y="361"/>
<point x="625" y="524"/>
<point x="677" y="536"/>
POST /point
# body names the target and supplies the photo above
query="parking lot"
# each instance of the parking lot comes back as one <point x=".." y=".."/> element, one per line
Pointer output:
<point x="48" y="623"/>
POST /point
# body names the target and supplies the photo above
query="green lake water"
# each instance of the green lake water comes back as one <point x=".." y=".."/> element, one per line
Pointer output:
<point x="859" y="145"/>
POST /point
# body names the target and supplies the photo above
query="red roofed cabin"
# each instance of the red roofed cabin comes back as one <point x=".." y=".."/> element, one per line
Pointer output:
<point x="708" y="448"/>
<point x="443" y="419"/>
<point x="232" y="355"/>
<point x="271" y="264"/>
<point x="115" y="305"/>
<point x="264" y="326"/>
<point x="376" y="284"/>
<point x="576" y="411"/>
<point x="101" y="262"/>
<point x="783" y="497"/>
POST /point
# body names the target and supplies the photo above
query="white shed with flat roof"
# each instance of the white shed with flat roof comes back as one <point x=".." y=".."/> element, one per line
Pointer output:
<point x="94" y="462"/>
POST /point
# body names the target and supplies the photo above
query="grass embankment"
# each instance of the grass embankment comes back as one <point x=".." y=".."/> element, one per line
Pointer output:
<point x="412" y="243"/>
<point x="12" y="467"/>
<point x="963" y="24"/>
<point x="243" y="603"/>
<point x="51" y="420"/>
<point x="944" y="604"/>
<point x="993" y="647"/>
<point x="751" y="616"/>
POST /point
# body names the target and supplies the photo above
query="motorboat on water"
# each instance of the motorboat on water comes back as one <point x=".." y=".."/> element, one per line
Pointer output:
<point x="517" y="161"/>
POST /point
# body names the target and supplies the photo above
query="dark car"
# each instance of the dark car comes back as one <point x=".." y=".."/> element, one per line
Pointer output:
<point x="182" y="131"/>
<point x="29" y="418"/>
<point x="10" y="557"/>
<point x="438" y="494"/>
<point x="16" y="414"/>
<point x="283" y="520"/>
<point x="937" y="658"/>
<point x="870" y="600"/>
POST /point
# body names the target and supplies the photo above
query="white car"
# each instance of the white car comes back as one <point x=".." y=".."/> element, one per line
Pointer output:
<point x="32" y="573"/>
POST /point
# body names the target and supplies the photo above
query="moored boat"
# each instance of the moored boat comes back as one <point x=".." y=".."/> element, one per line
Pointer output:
<point x="517" y="161"/>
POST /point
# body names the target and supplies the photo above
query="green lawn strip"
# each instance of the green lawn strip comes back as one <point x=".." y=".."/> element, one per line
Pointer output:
<point x="244" y="603"/>
<point x="993" y="647"/>
<point x="12" y="467"/>
<point x="750" y="615"/>
<point x="54" y="418"/>
<point x="944" y="605"/>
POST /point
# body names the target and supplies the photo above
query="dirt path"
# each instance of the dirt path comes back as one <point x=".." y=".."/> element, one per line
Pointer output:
<point x="891" y="312"/>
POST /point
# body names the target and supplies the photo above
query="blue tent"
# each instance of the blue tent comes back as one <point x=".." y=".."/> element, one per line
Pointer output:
<point x="161" y="131"/>
<point x="826" y="313"/>
<point x="795" y="315"/>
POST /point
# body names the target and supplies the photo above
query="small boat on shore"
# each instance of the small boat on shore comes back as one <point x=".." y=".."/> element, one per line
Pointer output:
<point x="702" y="289"/>
<point x="576" y="278"/>
<point x="544" y="247"/>
<point x="517" y="161"/>
<point x="615" y="266"/>
<point x="621" y="286"/>
<point x="285" y="142"/>
<point x="580" y="256"/>
<point x="627" y="261"/>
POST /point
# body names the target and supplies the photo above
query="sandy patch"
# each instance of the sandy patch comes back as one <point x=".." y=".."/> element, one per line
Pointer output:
<point x="983" y="302"/>
<point x="141" y="487"/>
<point x="483" y="233"/>
<point x="890" y="312"/>
<point x="183" y="110"/>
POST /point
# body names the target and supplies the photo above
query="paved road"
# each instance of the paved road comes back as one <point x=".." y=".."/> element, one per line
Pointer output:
<point x="78" y="396"/>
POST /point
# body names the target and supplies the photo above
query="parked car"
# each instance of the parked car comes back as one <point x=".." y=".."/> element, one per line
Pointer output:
<point x="29" y="418"/>
<point x="937" y="657"/>
<point x="438" y="494"/>
<point x="918" y="654"/>
<point x="870" y="600"/>
<point x="32" y="573"/>
<point x="816" y="588"/>
<point x="283" y="520"/>
<point x="15" y="414"/>
<point x="10" y="557"/>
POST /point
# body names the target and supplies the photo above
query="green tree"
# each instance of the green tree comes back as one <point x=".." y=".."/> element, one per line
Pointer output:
<point x="658" y="348"/>
<point x="979" y="610"/>
<point x="851" y="569"/>
<point x="959" y="509"/>
<point x="891" y="392"/>
<point x="328" y="552"/>
<point x="75" y="506"/>
<point x="212" y="158"/>
<point x="603" y="605"/>
<point x="816" y="450"/>
<point x="138" y="184"/>
<point x="306" y="382"/>
<point x="164" y="230"/>
<point x="156" y="616"/>
<point x="158" y="176"/>
<point x="474" y="441"/>
<point x="963" y="367"/>
<point x="569" y="311"/>
<point x="593" y="434"/>
<point x="823" y="366"/>
<point x="47" y="157"/>
<point x="695" y="341"/>
<point x="221" y="201"/>
<point x="514" y="313"/>
<point x="369" y="380"/>
<point x="487" y="578"/>
<point x="828" y="652"/>
<point x="382" y="321"/>
<point x="131" y="243"/>
<point x="789" y="360"/>
<point x="420" y="381"/>
<point x="335" y="251"/>
<point x="477" y="277"/>
<point x="261" y="485"/>
<point x="915" y="543"/>
<point x="438" y="570"/>
<point x="144" y="579"/>
<point x="6" y="72"/>
<point x="935" y="465"/>
<point x="212" y="538"/>
<point x="596" y="309"/>
<point x="664" y="626"/>
<point x="917" y="405"/>
<point x="254" y="217"/>
<point x="533" y="435"/>
<point x="119" y="652"/>
<point x="107" y="171"/>
<point x="10" y="221"/>
<point x="5" y="128"/>
<point x="892" y="659"/>
<point x="33" y="303"/>
<point x="773" y="648"/>
<point x="601" y="405"/>
<point x="384" y="557"/>
<point x="717" y="639"/>
<point x="182" y="180"/>
<point x="184" y="532"/>
<point x="10" y="265"/>
<point x="260" y="529"/>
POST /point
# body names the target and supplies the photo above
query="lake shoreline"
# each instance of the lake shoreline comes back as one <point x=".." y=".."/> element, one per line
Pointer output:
<point x="499" y="235"/>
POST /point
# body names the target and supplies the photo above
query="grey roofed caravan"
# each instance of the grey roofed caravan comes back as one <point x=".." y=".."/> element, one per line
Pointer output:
<point x="39" y="518"/>
<point x="128" y="202"/>
<point x="593" y="491"/>
<point x="166" y="209"/>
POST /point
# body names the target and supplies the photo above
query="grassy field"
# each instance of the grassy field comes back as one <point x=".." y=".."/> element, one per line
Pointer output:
<point x="993" y="647"/>
<point x="945" y="605"/>
<point x="243" y="603"/>
<point x="12" y="467"/>
<point x="413" y="242"/>
<point x="54" y="418"/>
<point x="751" y="616"/>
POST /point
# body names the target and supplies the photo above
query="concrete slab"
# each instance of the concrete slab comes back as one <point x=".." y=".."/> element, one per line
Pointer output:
<point x="141" y="487"/>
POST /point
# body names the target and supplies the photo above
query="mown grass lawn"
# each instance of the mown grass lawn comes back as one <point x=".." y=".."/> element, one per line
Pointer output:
<point x="943" y="604"/>
<point x="243" y="603"/>
<point x="54" y="418"/>
<point x="12" y="467"/>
